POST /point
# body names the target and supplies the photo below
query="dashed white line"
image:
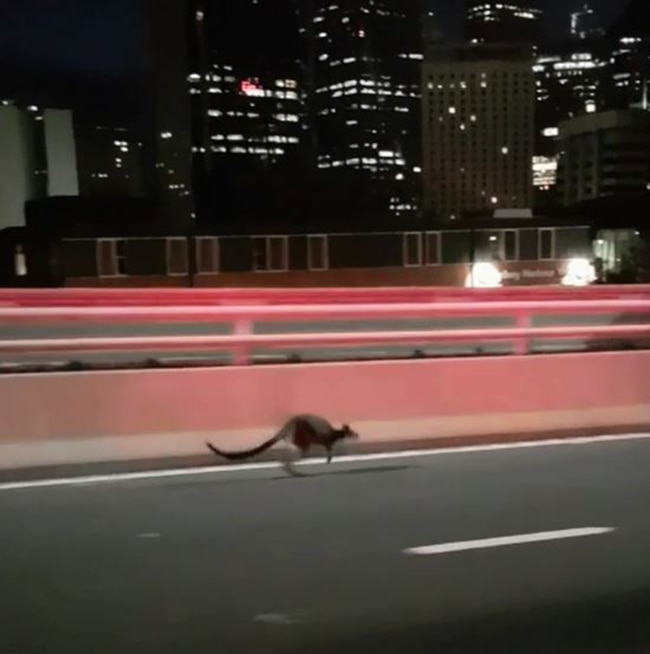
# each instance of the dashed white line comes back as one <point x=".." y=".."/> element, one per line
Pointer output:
<point x="503" y="541"/>
<point x="276" y="618"/>
<point x="356" y="458"/>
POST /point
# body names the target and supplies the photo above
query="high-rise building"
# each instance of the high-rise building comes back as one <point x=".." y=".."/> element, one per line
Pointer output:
<point x="245" y="83"/>
<point x="568" y="79"/>
<point x="503" y="21"/>
<point x="364" y="81"/>
<point x="478" y="129"/>
<point x="248" y="117"/>
<point x="627" y="78"/>
<point x="604" y="154"/>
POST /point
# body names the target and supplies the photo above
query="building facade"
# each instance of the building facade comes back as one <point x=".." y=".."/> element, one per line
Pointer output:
<point x="245" y="83"/>
<point x="604" y="154"/>
<point x="568" y="84"/>
<point x="569" y="81"/>
<point x="628" y="53"/>
<point x="364" y="59"/>
<point x="503" y="21"/>
<point x="248" y="117"/>
<point x="478" y="129"/>
<point x="525" y="253"/>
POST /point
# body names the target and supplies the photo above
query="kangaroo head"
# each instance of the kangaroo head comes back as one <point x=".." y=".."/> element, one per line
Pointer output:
<point x="347" y="432"/>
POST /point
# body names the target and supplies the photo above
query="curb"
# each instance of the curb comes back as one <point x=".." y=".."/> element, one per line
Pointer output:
<point x="209" y="460"/>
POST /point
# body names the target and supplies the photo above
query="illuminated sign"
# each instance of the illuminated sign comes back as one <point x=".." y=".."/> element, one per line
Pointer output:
<point x="544" y="171"/>
<point x="248" y="87"/>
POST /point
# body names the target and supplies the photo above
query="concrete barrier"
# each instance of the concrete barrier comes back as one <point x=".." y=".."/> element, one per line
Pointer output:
<point x="73" y="418"/>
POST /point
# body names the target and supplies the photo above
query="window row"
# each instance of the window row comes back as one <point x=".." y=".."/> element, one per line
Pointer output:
<point x="268" y="254"/>
<point x="170" y="257"/>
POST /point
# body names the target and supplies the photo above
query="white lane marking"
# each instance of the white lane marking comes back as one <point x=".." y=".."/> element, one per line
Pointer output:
<point x="354" y="458"/>
<point x="151" y="534"/>
<point x="520" y="539"/>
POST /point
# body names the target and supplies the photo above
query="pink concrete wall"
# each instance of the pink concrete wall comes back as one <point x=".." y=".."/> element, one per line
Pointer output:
<point x="163" y="412"/>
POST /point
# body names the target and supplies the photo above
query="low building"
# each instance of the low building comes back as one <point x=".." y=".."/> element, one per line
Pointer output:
<point x="522" y="250"/>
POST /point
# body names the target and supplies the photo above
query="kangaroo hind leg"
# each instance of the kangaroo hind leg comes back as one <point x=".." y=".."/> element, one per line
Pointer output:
<point x="288" y="458"/>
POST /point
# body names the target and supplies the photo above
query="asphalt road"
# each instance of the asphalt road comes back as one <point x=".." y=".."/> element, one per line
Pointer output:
<point x="252" y="561"/>
<point x="12" y="332"/>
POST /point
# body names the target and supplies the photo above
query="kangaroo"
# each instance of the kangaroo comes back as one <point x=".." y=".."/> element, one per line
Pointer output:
<point x="300" y="433"/>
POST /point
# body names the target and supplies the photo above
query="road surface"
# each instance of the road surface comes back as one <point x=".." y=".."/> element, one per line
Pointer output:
<point x="252" y="561"/>
<point x="13" y="332"/>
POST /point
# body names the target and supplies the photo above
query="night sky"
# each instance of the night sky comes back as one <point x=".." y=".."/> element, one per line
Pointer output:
<point x="102" y="36"/>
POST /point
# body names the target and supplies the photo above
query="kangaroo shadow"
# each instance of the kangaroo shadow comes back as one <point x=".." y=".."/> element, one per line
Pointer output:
<point x="377" y="470"/>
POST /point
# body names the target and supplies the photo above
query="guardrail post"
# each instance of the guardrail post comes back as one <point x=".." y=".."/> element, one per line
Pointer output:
<point x="243" y="327"/>
<point x="521" y="343"/>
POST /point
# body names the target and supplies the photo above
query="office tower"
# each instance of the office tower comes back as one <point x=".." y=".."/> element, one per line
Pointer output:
<point x="604" y="154"/>
<point x="478" y="129"/>
<point x="364" y="61"/>
<point x="494" y="21"/>
<point x="244" y="82"/>
<point x="568" y="84"/>
<point x="499" y="21"/>
<point x="628" y="51"/>
<point x="568" y="79"/>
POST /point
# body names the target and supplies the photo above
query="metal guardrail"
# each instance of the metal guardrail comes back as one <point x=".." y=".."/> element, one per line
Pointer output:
<point x="89" y="297"/>
<point x="243" y="342"/>
<point x="301" y="312"/>
<point x="242" y="318"/>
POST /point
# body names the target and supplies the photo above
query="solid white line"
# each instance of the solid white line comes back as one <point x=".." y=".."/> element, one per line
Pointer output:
<point x="354" y="458"/>
<point x="520" y="539"/>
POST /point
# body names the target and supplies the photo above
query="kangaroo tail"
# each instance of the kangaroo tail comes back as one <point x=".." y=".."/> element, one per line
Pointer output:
<point x="246" y="454"/>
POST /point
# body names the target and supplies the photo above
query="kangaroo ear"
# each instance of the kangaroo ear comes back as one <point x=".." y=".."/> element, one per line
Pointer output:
<point x="346" y="427"/>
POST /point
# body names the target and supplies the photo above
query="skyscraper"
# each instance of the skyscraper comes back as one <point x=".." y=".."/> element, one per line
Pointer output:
<point x="568" y="84"/>
<point x="364" y="72"/>
<point x="244" y="82"/>
<point x="627" y="82"/>
<point x="478" y="128"/>
<point x="503" y="21"/>
<point x="567" y="79"/>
